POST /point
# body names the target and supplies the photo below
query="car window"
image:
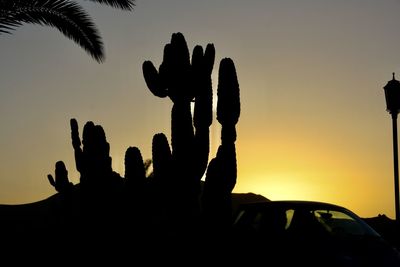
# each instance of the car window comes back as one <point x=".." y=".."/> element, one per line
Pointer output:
<point x="289" y="217"/>
<point x="245" y="219"/>
<point x="341" y="223"/>
<point x="304" y="223"/>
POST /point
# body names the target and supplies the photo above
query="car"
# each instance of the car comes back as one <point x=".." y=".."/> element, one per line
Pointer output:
<point x="308" y="233"/>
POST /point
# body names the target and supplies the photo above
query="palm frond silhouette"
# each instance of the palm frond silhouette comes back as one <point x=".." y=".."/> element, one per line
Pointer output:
<point x="65" y="15"/>
<point x="122" y="4"/>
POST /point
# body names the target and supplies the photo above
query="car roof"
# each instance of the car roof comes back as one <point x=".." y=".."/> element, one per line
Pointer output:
<point x="292" y="203"/>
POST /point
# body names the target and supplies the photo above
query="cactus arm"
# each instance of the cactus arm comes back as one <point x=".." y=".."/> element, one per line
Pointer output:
<point x="134" y="166"/>
<point x="51" y="180"/>
<point x="180" y="49"/>
<point x="76" y="144"/>
<point x="76" y="141"/>
<point x="161" y="154"/>
<point x="181" y="131"/>
<point x="202" y="65"/>
<point x="177" y="68"/>
<point x="197" y="59"/>
<point x="153" y="80"/>
<point x="209" y="58"/>
<point x="228" y="107"/>
<point x="163" y="179"/>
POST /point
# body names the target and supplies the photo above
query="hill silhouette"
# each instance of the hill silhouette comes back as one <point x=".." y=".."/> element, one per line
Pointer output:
<point x="57" y="223"/>
<point x="386" y="227"/>
<point x="40" y="215"/>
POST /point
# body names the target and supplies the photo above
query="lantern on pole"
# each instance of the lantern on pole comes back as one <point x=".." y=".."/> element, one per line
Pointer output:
<point x="392" y="96"/>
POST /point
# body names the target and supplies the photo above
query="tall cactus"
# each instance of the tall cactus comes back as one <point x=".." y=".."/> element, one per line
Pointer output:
<point x="222" y="170"/>
<point x="184" y="81"/>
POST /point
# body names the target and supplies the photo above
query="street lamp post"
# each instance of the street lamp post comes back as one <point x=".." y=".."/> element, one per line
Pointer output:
<point x="392" y="96"/>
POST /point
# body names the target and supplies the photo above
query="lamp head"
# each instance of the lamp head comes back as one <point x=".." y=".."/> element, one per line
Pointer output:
<point x="392" y="95"/>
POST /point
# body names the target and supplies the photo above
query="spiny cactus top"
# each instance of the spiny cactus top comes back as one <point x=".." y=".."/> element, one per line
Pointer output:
<point x="134" y="167"/>
<point x="228" y="108"/>
<point x="177" y="77"/>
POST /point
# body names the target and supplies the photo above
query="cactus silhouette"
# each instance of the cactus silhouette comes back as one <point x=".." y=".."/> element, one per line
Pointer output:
<point x="170" y="200"/>
<point x="222" y="171"/>
<point x="135" y="174"/>
<point x="228" y="107"/>
<point x="162" y="159"/>
<point x="184" y="81"/>
<point x="101" y="191"/>
<point x="92" y="160"/>
<point x="135" y="182"/>
<point x="61" y="182"/>
<point x="135" y="207"/>
<point x="160" y="184"/>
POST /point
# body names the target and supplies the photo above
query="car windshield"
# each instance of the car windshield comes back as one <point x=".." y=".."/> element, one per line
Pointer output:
<point x="341" y="222"/>
<point x="337" y="222"/>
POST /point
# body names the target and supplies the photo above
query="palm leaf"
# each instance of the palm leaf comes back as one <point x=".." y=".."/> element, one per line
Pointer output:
<point x="68" y="17"/>
<point x="122" y="4"/>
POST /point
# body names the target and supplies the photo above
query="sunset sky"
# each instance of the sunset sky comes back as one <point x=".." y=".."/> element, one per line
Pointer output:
<point x="313" y="123"/>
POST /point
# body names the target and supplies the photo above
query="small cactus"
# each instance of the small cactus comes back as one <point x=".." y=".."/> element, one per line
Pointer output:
<point x="134" y="166"/>
<point x="162" y="158"/>
<point x="61" y="182"/>
<point x="92" y="160"/>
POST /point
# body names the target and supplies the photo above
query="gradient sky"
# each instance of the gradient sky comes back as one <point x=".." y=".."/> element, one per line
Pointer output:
<point x="311" y="72"/>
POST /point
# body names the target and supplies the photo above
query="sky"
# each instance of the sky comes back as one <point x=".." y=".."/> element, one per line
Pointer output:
<point x="313" y="122"/>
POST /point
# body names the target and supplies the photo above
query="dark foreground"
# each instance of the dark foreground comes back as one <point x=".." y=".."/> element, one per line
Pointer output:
<point x="36" y="233"/>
